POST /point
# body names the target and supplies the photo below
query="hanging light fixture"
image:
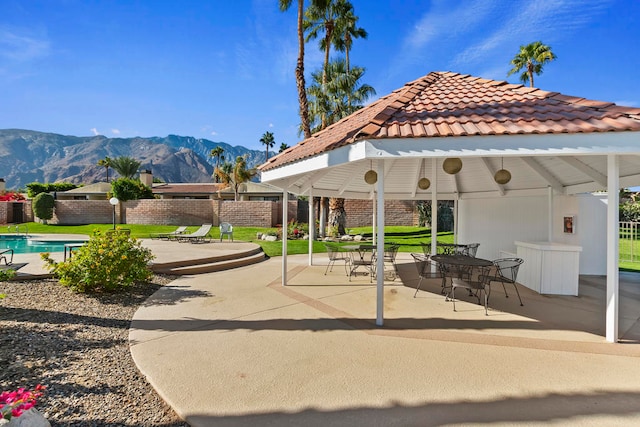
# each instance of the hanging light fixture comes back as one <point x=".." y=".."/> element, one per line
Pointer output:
<point x="371" y="176"/>
<point x="503" y="176"/>
<point x="452" y="165"/>
<point x="423" y="183"/>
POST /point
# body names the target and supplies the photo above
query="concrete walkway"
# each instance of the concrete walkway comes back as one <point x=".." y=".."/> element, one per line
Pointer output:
<point x="235" y="348"/>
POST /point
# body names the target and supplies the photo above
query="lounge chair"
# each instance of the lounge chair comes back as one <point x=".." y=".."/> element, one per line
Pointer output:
<point x="177" y="232"/>
<point x="201" y="235"/>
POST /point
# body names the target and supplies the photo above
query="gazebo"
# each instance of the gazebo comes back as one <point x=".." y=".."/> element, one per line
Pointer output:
<point x="447" y="136"/>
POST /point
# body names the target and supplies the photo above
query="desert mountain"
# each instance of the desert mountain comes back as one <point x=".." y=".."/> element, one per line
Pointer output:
<point x="27" y="156"/>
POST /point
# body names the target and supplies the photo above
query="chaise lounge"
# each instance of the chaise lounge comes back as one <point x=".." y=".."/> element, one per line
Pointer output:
<point x="201" y="235"/>
<point x="177" y="232"/>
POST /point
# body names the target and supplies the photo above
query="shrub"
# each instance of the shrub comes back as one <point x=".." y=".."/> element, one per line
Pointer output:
<point x="130" y="189"/>
<point x="108" y="261"/>
<point x="6" y="275"/>
<point x="35" y="188"/>
<point x="43" y="205"/>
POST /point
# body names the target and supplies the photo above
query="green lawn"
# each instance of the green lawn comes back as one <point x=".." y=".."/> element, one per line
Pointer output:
<point x="409" y="238"/>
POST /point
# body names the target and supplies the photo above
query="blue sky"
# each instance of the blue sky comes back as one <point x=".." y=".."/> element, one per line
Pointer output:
<point x="224" y="70"/>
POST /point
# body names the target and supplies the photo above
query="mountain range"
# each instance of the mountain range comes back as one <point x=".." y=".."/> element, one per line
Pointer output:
<point x="27" y="156"/>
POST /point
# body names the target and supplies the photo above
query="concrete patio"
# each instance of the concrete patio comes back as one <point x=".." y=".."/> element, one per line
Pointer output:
<point x="237" y="348"/>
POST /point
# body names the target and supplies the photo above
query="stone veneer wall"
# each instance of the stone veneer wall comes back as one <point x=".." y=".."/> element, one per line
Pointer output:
<point x="396" y="212"/>
<point x="4" y="212"/>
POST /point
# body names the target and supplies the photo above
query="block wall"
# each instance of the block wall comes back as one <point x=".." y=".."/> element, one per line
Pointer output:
<point x="170" y="212"/>
<point x="247" y="214"/>
<point x="396" y="212"/>
<point x="83" y="212"/>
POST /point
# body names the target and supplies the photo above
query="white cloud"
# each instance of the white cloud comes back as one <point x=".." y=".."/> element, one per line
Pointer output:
<point x="214" y="133"/>
<point x="95" y="131"/>
<point x="546" y="20"/>
<point x="18" y="47"/>
<point x="270" y="125"/>
<point x="115" y="131"/>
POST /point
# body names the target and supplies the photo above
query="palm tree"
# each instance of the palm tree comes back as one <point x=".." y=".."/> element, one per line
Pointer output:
<point x="531" y="58"/>
<point x="106" y="163"/>
<point x="235" y="174"/>
<point x="217" y="153"/>
<point x="268" y="141"/>
<point x="346" y="30"/>
<point x="342" y="95"/>
<point x="127" y="167"/>
<point x="283" y="147"/>
<point x="300" y="83"/>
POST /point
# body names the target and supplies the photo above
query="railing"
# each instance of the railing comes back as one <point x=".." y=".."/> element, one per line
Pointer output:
<point x="629" y="246"/>
<point x="17" y="229"/>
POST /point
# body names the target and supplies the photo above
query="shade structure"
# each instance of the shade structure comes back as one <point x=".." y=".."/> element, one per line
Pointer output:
<point x="555" y="142"/>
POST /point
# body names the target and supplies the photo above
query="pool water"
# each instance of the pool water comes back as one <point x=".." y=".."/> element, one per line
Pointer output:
<point x="23" y="245"/>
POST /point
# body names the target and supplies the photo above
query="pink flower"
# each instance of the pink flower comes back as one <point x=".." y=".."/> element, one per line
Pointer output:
<point x="14" y="403"/>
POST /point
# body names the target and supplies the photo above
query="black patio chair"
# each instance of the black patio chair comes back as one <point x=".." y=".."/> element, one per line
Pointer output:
<point x="506" y="271"/>
<point x="335" y="254"/>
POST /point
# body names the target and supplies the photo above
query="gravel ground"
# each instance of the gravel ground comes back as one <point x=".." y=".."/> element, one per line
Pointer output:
<point x="76" y="345"/>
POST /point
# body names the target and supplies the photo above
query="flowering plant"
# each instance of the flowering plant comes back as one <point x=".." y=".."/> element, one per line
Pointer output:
<point x="14" y="403"/>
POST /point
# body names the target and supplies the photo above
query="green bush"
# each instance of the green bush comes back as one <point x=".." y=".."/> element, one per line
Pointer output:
<point x="6" y="275"/>
<point x="35" y="188"/>
<point x="43" y="205"/>
<point x="130" y="189"/>
<point x="107" y="262"/>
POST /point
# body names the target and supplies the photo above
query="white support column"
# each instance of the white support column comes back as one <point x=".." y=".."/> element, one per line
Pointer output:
<point x="312" y="226"/>
<point x="373" y="220"/>
<point x="434" y="206"/>
<point x="455" y="219"/>
<point x="285" y="217"/>
<point x="380" y="246"/>
<point x="613" y="248"/>
<point x="550" y="214"/>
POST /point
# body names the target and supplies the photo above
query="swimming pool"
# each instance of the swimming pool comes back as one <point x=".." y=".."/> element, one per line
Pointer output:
<point x="27" y="245"/>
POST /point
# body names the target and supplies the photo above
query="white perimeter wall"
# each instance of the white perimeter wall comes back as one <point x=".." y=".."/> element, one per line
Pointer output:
<point x="497" y="223"/>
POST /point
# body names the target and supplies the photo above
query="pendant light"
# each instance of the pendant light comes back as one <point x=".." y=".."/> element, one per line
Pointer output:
<point x="423" y="183"/>
<point x="371" y="176"/>
<point x="452" y="165"/>
<point x="503" y="176"/>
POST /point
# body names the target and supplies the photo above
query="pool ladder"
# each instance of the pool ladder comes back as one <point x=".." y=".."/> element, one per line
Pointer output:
<point x="17" y="229"/>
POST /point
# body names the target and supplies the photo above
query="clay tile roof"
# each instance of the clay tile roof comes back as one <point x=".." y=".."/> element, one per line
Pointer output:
<point x="446" y="104"/>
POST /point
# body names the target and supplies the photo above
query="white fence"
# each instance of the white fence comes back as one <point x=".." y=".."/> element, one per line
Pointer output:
<point x="629" y="252"/>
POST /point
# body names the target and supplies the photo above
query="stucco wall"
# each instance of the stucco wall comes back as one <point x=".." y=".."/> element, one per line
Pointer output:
<point x="497" y="223"/>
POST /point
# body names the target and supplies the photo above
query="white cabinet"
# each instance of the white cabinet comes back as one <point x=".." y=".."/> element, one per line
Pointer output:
<point x="549" y="268"/>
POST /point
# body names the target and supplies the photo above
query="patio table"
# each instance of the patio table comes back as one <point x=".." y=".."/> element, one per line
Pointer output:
<point x="362" y="256"/>
<point x="460" y="266"/>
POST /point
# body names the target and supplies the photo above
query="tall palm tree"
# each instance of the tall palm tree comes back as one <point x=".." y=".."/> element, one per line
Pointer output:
<point x="268" y="141"/>
<point x="283" y="147"/>
<point x="347" y="30"/>
<point x="106" y="163"/>
<point x="300" y="83"/>
<point x="320" y="19"/>
<point x="531" y="58"/>
<point x="217" y="153"/>
<point x="127" y="167"/>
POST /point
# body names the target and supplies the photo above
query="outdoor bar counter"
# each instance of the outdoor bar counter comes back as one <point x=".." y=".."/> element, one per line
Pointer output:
<point x="549" y="268"/>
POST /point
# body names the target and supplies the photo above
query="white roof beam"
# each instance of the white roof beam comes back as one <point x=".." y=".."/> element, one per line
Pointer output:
<point x="544" y="174"/>
<point x="416" y="176"/>
<point x="585" y="169"/>
<point x="491" y="173"/>
<point x="311" y="178"/>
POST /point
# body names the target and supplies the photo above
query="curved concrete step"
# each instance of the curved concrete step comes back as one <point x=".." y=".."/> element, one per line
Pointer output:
<point x="207" y="259"/>
<point x="209" y="265"/>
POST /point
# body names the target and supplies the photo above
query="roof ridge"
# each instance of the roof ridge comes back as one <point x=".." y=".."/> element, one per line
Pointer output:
<point x="402" y="98"/>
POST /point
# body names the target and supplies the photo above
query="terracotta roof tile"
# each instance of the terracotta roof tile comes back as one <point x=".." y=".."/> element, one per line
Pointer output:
<point x="443" y="104"/>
